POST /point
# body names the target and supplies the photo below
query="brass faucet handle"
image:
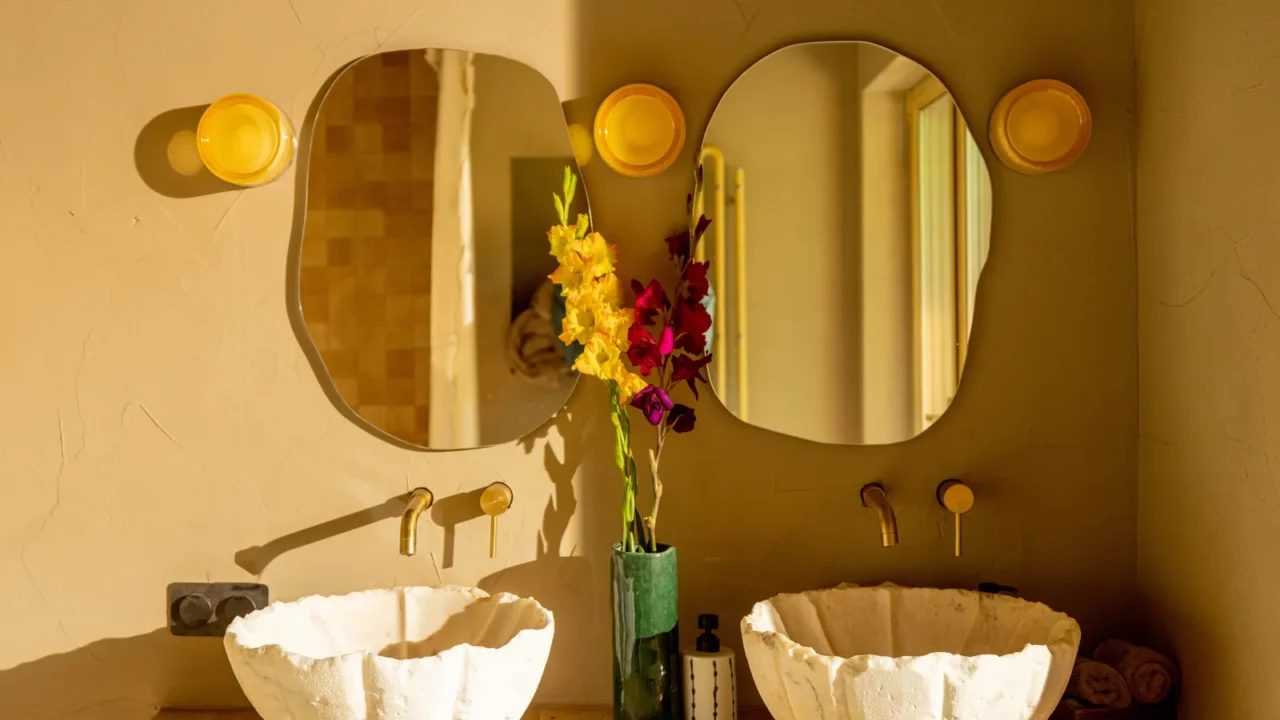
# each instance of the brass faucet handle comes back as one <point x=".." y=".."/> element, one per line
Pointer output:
<point x="495" y="500"/>
<point x="956" y="497"/>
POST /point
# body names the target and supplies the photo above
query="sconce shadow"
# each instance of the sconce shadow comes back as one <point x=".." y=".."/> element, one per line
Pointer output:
<point x="449" y="511"/>
<point x="167" y="160"/>
<point x="255" y="559"/>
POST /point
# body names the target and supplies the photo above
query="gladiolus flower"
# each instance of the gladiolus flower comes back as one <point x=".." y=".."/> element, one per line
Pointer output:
<point x="692" y="321"/>
<point x="681" y="418"/>
<point x="649" y="301"/>
<point x="695" y="279"/>
<point x="679" y="246"/>
<point x="689" y="369"/>
<point x="643" y="351"/>
<point x="653" y="402"/>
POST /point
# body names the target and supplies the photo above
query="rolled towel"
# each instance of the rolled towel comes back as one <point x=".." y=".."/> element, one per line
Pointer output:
<point x="533" y="346"/>
<point x="1150" y="675"/>
<point x="1099" y="685"/>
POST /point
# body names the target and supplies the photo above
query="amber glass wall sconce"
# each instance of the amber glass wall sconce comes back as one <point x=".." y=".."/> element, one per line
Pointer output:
<point x="245" y="140"/>
<point x="639" y="130"/>
<point x="1041" y="127"/>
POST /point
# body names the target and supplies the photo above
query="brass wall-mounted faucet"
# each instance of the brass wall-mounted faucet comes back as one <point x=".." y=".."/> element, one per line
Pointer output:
<point x="419" y="500"/>
<point x="873" y="496"/>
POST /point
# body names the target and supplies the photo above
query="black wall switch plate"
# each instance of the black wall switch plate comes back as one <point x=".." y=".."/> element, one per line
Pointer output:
<point x="206" y="609"/>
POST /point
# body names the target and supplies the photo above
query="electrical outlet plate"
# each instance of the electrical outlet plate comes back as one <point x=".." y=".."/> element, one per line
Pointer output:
<point x="205" y="609"/>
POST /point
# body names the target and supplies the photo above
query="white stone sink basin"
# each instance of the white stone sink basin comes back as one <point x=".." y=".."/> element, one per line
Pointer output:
<point x="408" y="653"/>
<point x="895" y="653"/>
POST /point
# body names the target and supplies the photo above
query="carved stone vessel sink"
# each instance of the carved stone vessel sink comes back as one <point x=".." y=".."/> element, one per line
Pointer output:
<point x="416" y="652"/>
<point x="895" y="653"/>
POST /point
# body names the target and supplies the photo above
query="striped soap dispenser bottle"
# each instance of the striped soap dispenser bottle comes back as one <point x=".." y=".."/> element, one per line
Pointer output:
<point x="710" y="676"/>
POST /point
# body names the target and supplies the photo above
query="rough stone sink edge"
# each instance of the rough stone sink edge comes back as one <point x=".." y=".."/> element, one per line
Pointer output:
<point x="233" y="630"/>
<point x="1065" y="641"/>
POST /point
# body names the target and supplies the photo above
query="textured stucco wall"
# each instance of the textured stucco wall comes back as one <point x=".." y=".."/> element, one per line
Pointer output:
<point x="159" y="416"/>
<point x="1209" y="333"/>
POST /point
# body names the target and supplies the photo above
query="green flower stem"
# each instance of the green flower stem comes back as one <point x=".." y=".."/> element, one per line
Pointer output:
<point x="633" y="539"/>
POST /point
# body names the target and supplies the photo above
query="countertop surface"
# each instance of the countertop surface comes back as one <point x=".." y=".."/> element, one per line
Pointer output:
<point x="542" y="713"/>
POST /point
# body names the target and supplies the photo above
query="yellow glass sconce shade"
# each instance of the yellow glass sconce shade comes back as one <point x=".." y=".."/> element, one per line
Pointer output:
<point x="1041" y="126"/>
<point x="245" y="140"/>
<point x="639" y="130"/>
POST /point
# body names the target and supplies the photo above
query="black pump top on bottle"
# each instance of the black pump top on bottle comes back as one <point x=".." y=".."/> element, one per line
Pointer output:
<point x="707" y="641"/>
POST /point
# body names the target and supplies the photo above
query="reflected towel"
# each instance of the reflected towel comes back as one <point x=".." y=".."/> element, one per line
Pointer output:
<point x="533" y="347"/>
<point x="1150" y="675"/>
<point x="1098" y="684"/>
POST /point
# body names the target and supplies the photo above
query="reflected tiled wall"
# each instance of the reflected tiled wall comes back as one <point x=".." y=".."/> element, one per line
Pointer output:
<point x="366" y="252"/>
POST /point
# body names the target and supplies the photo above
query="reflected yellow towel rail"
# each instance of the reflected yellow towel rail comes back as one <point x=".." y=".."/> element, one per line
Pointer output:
<point x="717" y="232"/>
<point x="740" y="284"/>
<point x="720" y="270"/>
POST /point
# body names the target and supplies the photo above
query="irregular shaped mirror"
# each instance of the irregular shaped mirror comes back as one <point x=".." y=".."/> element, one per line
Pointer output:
<point x="853" y="214"/>
<point x="423" y="268"/>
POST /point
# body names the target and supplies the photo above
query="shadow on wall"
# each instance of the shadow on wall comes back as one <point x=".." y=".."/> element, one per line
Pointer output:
<point x="166" y="156"/>
<point x="121" y="678"/>
<point x="562" y="579"/>
<point x="254" y="560"/>
<point x="450" y="512"/>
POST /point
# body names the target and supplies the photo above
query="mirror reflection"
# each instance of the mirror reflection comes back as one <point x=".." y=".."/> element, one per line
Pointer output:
<point x="423" y="268"/>
<point x="853" y="213"/>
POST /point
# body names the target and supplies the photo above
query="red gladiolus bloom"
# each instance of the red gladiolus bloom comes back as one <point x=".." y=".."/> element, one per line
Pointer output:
<point x="695" y="279"/>
<point x="644" y="353"/>
<point x="681" y="418"/>
<point x="650" y="301"/>
<point x="653" y="402"/>
<point x="692" y="321"/>
<point x="689" y="369"/>
<point x="679" y="246"/>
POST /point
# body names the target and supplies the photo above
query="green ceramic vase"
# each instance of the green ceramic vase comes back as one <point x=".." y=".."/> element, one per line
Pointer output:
<point x="646" y="643"/>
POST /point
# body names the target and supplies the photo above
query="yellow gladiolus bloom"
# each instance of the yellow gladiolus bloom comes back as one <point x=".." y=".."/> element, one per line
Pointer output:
<point x="603" y="358"/>
<point x="560" y="238"/>
<point x="593" y="317"/>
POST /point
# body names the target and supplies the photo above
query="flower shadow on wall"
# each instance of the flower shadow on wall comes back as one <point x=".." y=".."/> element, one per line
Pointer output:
<point x="571" y="555"/>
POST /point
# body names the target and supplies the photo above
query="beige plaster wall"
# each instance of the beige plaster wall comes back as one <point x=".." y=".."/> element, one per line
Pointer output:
<point x="1209" y="284"/>
<point x="159" y="416"/>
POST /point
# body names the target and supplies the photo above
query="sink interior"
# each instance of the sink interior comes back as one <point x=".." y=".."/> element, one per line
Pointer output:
<point x="896" y="653"/>
<point x="900" y="622"/>
<point x="401" y="624"/>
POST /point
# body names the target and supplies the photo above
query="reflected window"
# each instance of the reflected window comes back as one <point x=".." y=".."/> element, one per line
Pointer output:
<point x="844" y="280"/>
<point x="950" y="201"/>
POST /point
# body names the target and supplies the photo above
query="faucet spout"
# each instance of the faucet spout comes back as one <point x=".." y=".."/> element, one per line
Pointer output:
<point x="419" y="500"/>
<point x="873" y="496"/>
